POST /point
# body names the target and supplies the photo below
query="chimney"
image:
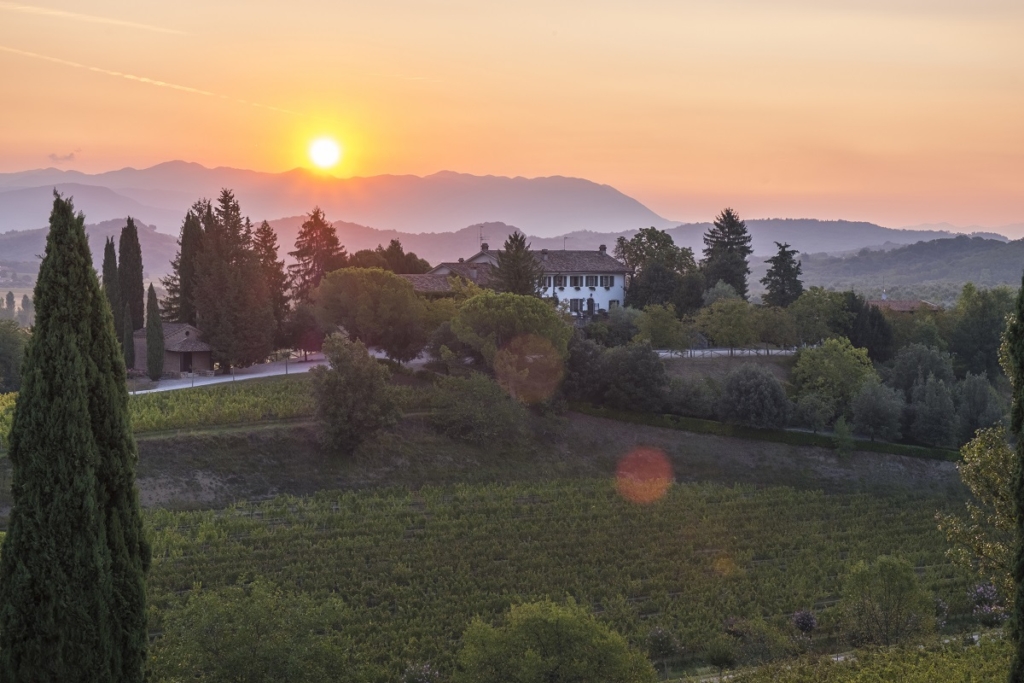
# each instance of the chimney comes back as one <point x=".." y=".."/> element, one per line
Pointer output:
<point x="543" y="254"/>
<point x="602" y="250"/>
<point x="484" y="247"/>
<point x="461" y="260"/>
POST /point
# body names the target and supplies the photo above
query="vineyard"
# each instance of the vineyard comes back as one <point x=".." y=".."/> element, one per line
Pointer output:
<point x="411" y="569"/>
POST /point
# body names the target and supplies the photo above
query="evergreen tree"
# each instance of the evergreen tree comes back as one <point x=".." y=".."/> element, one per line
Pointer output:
<point x="72" y="594"/>
<point x="129" y="275"/>
<point x="317" y="252"/>
<point x="264" y="245"/>
<point x="154" y="336"/>
<point x="726" y="248"/>
<point x="783" y="279"/>
<point x="128" y="341"/>
<point x="1013" y="347"/>
<point x="11" y="306"/>
<point x="179" y="306"/>
<point x="112" y="285"/>
<point x="28" y="311"/>
<point x="518" y="272"/>
<point x="233" y="305"/>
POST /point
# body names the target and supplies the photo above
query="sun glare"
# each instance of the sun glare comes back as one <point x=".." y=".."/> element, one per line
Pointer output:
<point x="324" y="152"/>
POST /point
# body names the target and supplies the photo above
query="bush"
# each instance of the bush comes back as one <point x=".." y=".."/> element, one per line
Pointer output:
<point x="548" y="643"/>
<point x="979" y="406"/>
<point x="353" y="398"/>
<point x="582" y="369"/>
<point x="913" y="364"/>
<point x="694" y="398"/>
<point x="934" y="417"/>
<point x="753" y="396"/>
<point x="477" y="410"/>
<point x="835" y="371"/>
<point x="616" y="329"/>
<point x="814" y="411"/>
<point x="877" y="410"/>
<point x="883" y="604"/>
<point x="633" y="378"/>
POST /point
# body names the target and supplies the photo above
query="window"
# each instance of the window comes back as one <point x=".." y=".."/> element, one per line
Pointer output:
<point x="574" y="305"/>
<point x="559" y="281"/>
<point x="591" y="281"/>
<point x="614" y="303"/>
<point x="545" y="282"/>
<point x="607" y="280"/>
<point x="576" y="280"/>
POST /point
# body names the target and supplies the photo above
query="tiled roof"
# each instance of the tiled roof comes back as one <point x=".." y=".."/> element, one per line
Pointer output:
<point x="557" y="262"/>
<point x="427" y="283"/>
<point x="179" y="337"/>
<point x="480" y="273"/>
<point x="902" y="306"/>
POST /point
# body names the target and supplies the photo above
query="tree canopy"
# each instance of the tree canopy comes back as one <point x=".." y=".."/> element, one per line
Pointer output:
<point x="490" y="320"/>
<point x="518" y="271"/>
<point x="317" y="252"/>
<point x="783" y="279"/>
<point x="726" y="249"/>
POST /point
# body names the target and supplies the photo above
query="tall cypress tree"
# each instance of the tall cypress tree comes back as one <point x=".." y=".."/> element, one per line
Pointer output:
<point x="72" y="598"/>
<point x="180" y="304"/>
<point x="154" y="336"/>
<point x="128" y="340"/>
<point x="726" y="248"/>
<point x="11" y="305"/>
<point x="783" y="279"/>
<point x="112" y="285"/>
<point x="129" y="275"/>
<point x="1014" y="340"/>
<point x="518" y="272"/>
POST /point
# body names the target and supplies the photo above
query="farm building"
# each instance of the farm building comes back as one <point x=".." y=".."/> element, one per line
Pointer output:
<point x="184" y="353"/>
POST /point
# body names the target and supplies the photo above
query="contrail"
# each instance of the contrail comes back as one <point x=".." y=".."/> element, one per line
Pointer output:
<point x="143" y="79"/>
<point x="47" y="12"/>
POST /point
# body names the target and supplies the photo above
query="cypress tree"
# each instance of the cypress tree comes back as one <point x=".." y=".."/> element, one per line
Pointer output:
<point x="264" y="244"/>
<point x="112" y="285"/>
<point x="726" y="248"/>
<point x="128" y="340"/>
<point x="1014" y="341"/>
<point x="154" y="336"/>
<point x="518" y="272"/>
<point x="783" y="278"/>
<point x="180" y="304"/>
<point x="72" y="600"/>
<point x="129" y="275"/>
<point x="10" y="303"/>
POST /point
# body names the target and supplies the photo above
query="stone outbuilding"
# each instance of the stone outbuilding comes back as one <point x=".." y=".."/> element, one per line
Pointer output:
<point x="184" y="352"/>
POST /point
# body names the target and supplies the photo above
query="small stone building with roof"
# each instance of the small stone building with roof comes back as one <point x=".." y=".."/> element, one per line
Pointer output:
<point x="184" y="352"/>
<point x="591" y="281"/>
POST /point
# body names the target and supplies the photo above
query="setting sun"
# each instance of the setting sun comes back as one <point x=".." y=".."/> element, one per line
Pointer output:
<point x="324" y="152"/>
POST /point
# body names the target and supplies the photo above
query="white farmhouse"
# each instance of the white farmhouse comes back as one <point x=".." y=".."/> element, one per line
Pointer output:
<point x="591" y="281"/>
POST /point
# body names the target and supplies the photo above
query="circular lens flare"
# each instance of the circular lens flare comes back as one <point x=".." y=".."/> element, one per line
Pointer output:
<point x="324" y="152"/>
<point x="644" y="475"/>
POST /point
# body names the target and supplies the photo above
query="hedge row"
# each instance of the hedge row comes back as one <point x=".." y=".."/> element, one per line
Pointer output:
<point x="692" y="424"/>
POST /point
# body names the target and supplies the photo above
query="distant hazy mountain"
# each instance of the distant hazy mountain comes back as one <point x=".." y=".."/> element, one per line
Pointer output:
<point x="26" y="246"/>
<point x="435" y="203"/>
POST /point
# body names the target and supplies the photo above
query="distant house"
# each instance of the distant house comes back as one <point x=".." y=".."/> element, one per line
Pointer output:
<point x="591" y="281"/>
<point x="903" y="306"/>
<point x="183" y="351"/>
<point x="436" y="282"/>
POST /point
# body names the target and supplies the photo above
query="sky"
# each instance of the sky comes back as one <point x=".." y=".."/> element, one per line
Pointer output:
<point x="900" y="112"/>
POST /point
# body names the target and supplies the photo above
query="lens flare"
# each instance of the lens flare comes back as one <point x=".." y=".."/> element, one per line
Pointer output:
<point x="529" y="368"/>
<point x="324" y="152"/>
<point x="644" y="475"/>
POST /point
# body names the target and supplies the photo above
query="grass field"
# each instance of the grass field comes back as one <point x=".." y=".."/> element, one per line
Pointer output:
<point x="414" y="566"/>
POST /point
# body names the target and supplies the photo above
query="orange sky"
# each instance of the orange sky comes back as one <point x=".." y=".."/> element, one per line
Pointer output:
<point x="895" y="111"/>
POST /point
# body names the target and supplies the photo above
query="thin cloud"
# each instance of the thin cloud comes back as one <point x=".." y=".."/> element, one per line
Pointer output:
<point x="143" y="79"/>
<point x="62" y="158"/>
<point x="75" y="16"/>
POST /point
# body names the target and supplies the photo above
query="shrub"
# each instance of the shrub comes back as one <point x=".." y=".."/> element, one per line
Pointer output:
<point x="835" y="370"/>
<point x="548" y="643"/>
<point x="988" y="607"/>
<point x="934" y="417"/>
<point x="582" y="369"/>
<point x="883" y="604"/>
<point x="353" y="398"/>
<point x="753" y="396"/>
<point x="805" y="622"/>
<point x="633" y="378"/>
<point x="913" y="364"/>
<point x="843" y="438"/>
<point x="694" y="398"/>
<point x="477" y="410"/>
<point x="814" y="411"/>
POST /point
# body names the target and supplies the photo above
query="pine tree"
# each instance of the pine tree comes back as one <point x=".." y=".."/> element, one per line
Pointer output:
<point x="264" y="244"/>
<point x="179" y="306"/>
<point x="129" y="275"/>
<point x="1014" y="348"/>
<point x="317" y="252"/>
<point x="518" y="271"/>
<point x="783" y="279"/>
<point x="112" y="285"/>
<point x="128" y="341"/>
<point x="154" y="336"/>
<point x="726" y="248"/>
<point x="72" y="594"/>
